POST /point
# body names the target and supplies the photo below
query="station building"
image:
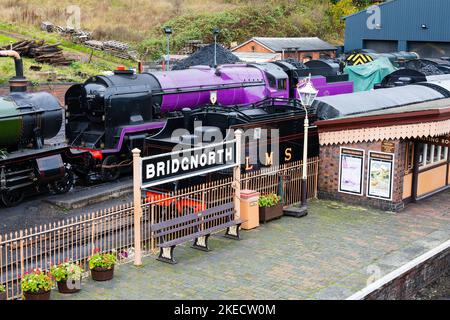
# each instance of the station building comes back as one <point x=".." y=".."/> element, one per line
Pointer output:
<point x="384" y="157"/>
<point x="421" y="26"/>
<point x="302" y="49"/>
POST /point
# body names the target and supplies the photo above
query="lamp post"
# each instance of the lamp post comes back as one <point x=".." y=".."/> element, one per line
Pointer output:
<point x="216" y="32"/>
<point x="307" y="94"/>
<point x="168" y="32"/>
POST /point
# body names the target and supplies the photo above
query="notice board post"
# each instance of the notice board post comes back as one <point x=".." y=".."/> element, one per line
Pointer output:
<point x="137" y="205"/>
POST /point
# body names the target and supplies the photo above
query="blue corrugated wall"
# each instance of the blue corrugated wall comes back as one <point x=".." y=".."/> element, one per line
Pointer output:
<point x="401" y="20"/>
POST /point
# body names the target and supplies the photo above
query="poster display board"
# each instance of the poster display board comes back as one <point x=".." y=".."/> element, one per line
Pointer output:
<point x="380" y="175"/>
<point x="351" y="166"/>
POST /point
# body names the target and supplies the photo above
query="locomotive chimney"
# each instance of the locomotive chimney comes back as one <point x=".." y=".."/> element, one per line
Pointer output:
<point x="187" y="118"/>
<point x="18" y="83"/>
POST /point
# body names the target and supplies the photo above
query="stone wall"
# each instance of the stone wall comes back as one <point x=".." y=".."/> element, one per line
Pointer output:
<point x="56" y="89"/>
<point x="329" y="175"/>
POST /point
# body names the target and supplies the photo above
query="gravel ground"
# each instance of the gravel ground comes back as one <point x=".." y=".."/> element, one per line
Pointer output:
<point x="438" y="290"/>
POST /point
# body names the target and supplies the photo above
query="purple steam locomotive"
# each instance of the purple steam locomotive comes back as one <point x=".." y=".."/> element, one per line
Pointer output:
<point x="108" y="116"/>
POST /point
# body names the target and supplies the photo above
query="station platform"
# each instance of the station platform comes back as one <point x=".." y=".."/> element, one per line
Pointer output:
<point x="332" y="253"/>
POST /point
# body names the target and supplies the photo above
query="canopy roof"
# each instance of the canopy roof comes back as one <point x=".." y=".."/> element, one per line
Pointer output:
<point x="330" y="107"/>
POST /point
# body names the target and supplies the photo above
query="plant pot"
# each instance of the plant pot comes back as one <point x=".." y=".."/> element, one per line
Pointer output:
<point x="2" y="296"/>
<point x="63" y="288"/>
<point x="40" y="295"/>
<point x="102" y="274"/>
<point x="270" y="213"/>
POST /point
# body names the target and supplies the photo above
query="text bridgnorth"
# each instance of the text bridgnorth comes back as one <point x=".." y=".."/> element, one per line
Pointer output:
<point x="187" y="163"/>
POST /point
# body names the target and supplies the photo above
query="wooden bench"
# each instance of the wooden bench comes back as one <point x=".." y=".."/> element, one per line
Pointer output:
<point x="198" y="222"/>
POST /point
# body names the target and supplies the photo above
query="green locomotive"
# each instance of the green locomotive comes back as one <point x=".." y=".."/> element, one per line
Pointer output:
<point x="27" y="164"/>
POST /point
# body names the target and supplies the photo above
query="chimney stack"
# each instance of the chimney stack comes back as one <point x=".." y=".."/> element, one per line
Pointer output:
<point x="18" y="83"/>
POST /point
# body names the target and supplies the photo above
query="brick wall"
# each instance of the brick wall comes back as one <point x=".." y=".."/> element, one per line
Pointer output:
<point x="406" y="285"/>
<point x="257" y="48"/>
<point x="314" y="54"/>
<point x="329" y="175"/>
<point x="56" y="89"/>
<point x="253" y="46"/>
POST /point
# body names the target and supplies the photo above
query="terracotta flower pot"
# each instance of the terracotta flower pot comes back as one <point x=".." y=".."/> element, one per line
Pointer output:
<point x="40" y="295"/>
<point x="269" y="213"/>
<point x="102" y="274"/>
<point x="63" y="288"/>
<point x="2" y="296"/>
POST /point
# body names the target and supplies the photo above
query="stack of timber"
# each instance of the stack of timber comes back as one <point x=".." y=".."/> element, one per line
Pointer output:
<point x="117" y="48"/>
<point x="40" y="51"/>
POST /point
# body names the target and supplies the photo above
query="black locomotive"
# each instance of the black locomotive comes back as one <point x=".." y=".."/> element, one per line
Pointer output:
<point x="27" y="164"/>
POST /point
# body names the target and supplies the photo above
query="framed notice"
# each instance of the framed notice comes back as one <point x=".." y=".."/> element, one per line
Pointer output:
<point x="380" y="175"/>
<point x="351" y="166"/>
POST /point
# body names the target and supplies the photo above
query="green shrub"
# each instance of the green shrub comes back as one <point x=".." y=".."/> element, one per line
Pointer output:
<point x="36" y="281"/>
<point x="66" y="271"/>
<point x="102" y="260"/>
<point x="269" y="200"/>
<point x="2" y="288"/>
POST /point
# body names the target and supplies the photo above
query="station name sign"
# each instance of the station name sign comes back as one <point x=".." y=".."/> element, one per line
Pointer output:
<point x="185" y="163"/>
<point x="443" y="141"/>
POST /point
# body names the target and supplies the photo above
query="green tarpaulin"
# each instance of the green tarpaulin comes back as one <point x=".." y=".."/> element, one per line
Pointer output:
<point x="366" y="76"/>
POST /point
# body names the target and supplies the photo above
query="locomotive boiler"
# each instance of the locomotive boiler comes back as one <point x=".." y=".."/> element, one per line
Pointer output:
<point x="27" y="165"/>
<point x="108" y="116"/>
<point x="28" y="119"/>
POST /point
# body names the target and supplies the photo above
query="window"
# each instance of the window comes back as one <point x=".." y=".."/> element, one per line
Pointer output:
<point x="409" y="163"/>
<point x="430" y="154"/>
<point x="282" y="84"/>
<point x="272" y="80"/>
<point x="253" y="48"/>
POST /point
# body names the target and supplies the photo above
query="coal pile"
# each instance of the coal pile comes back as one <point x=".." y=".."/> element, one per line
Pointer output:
<point x="205" y="56"/>
<point x="428" y="68"/>
<point x="295" y="63"/>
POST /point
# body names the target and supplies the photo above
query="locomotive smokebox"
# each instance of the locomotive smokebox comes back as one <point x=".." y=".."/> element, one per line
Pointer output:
<point x="18" y="83"/>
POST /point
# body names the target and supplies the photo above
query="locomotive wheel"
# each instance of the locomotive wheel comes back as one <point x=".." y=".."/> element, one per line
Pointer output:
<point x="110" y="174"/>
<point x="64" y="184"/>
<point x="12" y="198"/>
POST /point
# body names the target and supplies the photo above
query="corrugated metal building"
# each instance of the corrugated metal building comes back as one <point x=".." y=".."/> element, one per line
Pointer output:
<point x="422" y="26"/>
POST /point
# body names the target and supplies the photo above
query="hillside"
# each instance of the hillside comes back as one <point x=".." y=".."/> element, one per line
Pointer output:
<point x="84" y="64"/>
<point x="140" y="22"/>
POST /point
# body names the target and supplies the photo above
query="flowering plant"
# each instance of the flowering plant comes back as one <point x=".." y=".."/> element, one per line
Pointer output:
<point x="66" y="271"/>
<point x="36" y="281"/>
<point x="2" y="288"/>
<point x="269" y="200"/>
<point x="102" y="260"/>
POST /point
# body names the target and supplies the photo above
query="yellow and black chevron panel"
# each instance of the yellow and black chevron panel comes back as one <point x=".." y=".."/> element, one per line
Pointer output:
<point x="358" y="58"/>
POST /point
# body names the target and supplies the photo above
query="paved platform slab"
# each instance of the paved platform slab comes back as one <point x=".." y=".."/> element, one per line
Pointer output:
<point x="329" y="254"/>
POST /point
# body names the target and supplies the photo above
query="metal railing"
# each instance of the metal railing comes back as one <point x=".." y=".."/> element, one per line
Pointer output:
<point x="112" y="230"/>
